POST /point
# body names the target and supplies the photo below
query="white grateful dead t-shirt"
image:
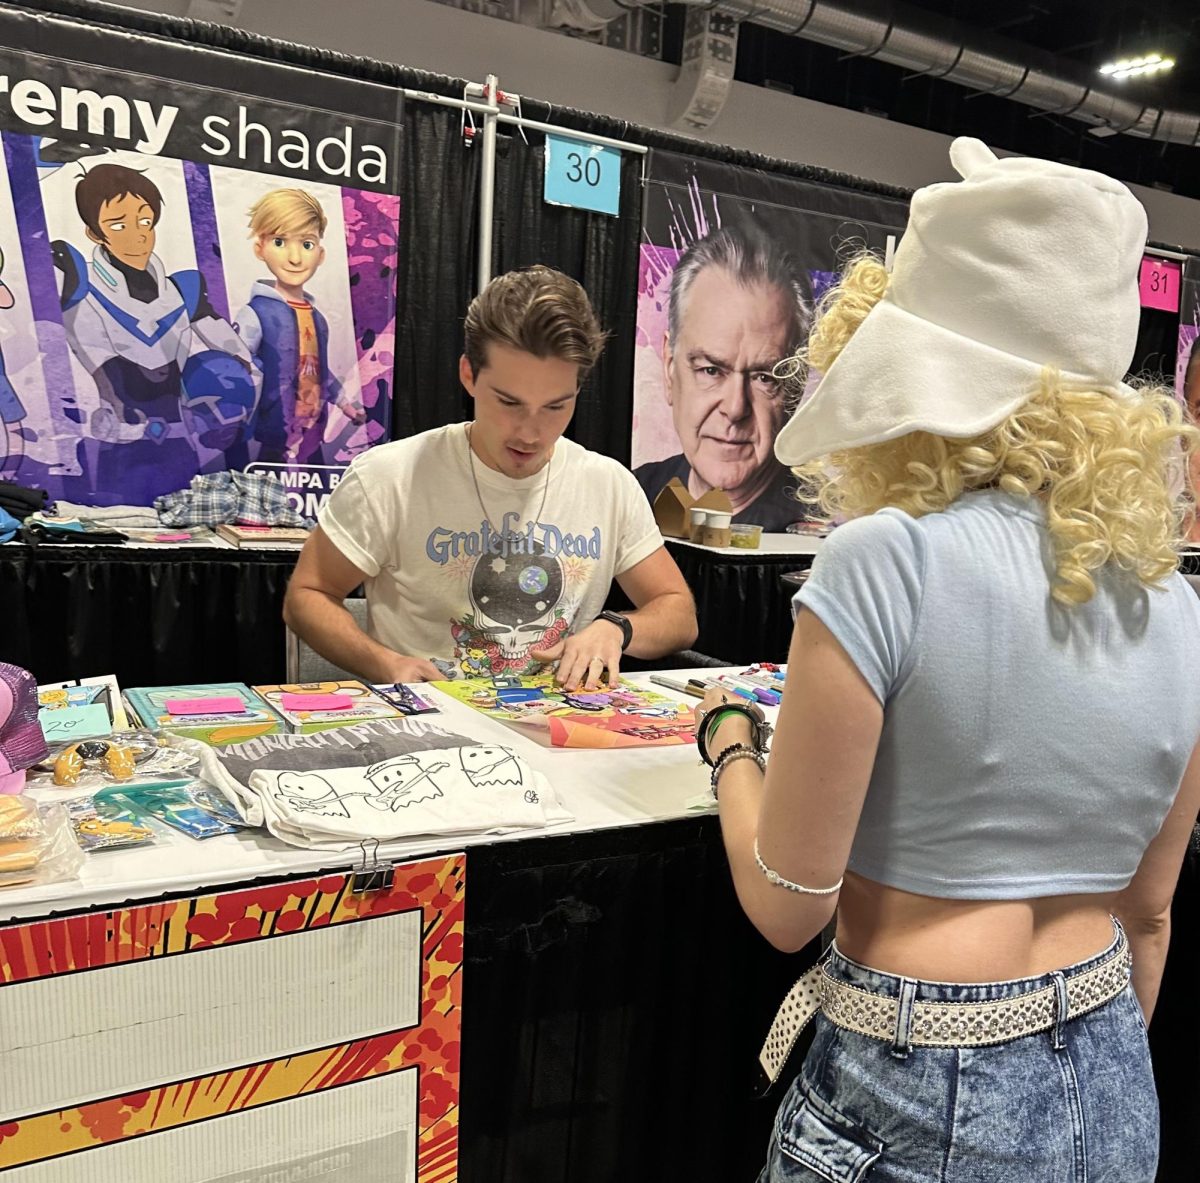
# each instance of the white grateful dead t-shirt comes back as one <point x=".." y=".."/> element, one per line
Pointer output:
<point x="482" y="585"/>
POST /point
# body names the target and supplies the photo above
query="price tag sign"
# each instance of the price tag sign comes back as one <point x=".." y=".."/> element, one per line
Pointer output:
<point x="584" y="176"/>
<point x="1158" y="283"/>
<point x="68" y="724"/>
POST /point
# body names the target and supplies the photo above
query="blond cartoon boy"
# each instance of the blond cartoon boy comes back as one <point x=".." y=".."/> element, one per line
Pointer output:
<point x="286" y="333"/>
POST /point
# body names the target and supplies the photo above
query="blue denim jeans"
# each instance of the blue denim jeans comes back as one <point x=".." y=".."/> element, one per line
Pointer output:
<point x="1024" y="1111"/>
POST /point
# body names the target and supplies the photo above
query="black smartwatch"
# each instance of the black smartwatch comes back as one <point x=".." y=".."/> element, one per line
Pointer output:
<point x="623" y="623"/>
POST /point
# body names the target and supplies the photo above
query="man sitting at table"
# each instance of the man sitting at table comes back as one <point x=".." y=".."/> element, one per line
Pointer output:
<point x="490" y="546"/>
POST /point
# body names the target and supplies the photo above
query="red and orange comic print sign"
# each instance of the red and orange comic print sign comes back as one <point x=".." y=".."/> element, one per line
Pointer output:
<point x="313" y="929"/>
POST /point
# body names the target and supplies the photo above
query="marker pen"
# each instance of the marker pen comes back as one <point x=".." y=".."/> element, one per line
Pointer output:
<point x="758" y="693"/>
<point x="678" y="687"/>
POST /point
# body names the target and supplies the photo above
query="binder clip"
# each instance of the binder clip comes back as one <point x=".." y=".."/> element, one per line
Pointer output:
<point x="371" y="874"/>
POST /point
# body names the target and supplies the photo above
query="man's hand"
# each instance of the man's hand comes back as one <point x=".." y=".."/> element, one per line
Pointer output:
<point x="410" y="669"/>
<point x="584" y="656"/>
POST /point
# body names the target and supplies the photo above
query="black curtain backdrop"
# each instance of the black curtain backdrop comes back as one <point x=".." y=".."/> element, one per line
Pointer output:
<point x="439" y="236"/>
<point x="439" y="217"/>
<point x="601" y="252"/>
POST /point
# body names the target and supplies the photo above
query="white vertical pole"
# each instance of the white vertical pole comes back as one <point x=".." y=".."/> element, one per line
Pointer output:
<point x="487" y="180"/>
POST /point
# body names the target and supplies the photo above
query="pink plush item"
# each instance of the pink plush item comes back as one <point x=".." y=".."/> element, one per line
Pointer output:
<point x="22" y="743"/>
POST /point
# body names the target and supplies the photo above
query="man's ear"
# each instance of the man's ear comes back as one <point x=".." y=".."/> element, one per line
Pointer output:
<point x="465" y="376"/>
<point x="258" y="246"/>
<point x="668" y="370"/>
<point x="98" y="239"/>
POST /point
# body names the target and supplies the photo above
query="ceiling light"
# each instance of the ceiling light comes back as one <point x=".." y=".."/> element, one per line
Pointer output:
<point x="1150" y="63"/>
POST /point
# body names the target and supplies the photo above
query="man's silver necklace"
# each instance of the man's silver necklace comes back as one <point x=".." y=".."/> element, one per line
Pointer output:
<point x="479" y="495"/>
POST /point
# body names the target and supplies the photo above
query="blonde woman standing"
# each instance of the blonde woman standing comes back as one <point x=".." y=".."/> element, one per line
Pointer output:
<point x="985" y="759"/>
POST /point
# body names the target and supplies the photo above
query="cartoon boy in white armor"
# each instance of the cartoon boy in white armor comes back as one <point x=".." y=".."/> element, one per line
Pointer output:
<point x="175" y="381"/>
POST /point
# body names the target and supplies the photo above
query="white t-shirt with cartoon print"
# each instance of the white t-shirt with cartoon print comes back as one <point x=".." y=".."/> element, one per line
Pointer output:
<point x="449" y="579"/>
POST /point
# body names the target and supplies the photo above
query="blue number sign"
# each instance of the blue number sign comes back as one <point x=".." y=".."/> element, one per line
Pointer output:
<point x="582" y="175"/>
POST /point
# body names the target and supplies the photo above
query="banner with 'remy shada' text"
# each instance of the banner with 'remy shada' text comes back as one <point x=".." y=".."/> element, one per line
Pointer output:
<point x="197" y="264"/>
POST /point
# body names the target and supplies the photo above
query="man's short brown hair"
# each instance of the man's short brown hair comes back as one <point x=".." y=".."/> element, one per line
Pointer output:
<point x="539" y="311"/>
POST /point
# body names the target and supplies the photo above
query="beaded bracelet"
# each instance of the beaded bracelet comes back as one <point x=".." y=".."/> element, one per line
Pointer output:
<point x="735" y="751"/>
<point x="779" y="881"/>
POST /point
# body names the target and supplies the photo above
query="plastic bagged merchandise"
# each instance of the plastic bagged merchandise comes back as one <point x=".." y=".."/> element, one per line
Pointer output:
<point x="212" y="801"/>
<point x="180" y="808"/>
<point x="101" y="824"/>
<point x="36" y="844"/>
<point x="97" y="764"/>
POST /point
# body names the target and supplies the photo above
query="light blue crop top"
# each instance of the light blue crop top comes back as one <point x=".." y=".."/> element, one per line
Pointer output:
<point x="1027" y="749"/>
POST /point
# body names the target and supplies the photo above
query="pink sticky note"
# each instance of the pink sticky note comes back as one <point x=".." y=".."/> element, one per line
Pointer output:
<point x="230" y="705"/>
<point x="317" y="702"/>
<point x="1158" y="283"/>
<point x="182" y="536"/>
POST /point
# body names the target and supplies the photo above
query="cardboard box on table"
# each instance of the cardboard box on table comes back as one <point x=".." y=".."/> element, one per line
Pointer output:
<point x="672" y="510"/>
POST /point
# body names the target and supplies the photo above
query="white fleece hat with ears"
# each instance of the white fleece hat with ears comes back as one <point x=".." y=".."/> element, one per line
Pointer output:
<point x="1022" y="264"/>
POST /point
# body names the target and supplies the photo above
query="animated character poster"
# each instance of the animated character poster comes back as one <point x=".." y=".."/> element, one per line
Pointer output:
<point x="1187" y="358"/>
<point x="620" y="716"/>
<point x="1187" y="374"/>
<point x="194" y="278"/>
<point x="732" y="263"/>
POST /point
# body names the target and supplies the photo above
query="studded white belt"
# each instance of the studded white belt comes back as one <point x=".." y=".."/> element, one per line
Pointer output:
<point x="938" y="1024"/>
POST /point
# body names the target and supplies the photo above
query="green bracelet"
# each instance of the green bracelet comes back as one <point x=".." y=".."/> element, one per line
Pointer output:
<point x="714" y="720"/>
<point x="722" y="713"/>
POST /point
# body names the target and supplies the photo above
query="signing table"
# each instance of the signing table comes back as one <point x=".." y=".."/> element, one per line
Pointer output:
<point x="578" y="1004"/>
<point x="216" y="1011"/>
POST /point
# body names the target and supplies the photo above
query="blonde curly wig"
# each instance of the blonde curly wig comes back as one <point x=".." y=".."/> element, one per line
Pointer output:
<point x="1112" y="473"/>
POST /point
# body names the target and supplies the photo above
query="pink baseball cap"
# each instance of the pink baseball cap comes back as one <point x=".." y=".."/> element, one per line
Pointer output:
<point x="22" y="743"/>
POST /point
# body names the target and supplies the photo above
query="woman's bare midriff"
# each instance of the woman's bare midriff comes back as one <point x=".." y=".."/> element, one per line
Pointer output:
<point x="920" y="936"/>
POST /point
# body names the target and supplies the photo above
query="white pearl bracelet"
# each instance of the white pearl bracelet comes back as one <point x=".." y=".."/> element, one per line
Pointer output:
<point x="737" y="751"/>
<point x="774" y="877"/>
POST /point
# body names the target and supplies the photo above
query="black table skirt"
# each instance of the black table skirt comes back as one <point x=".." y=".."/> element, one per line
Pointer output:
<point x="158" y="617"/>
<point x="153" y="618"/>
<point x="165" y="616"/>
<point x="614" y="1001"/>
<point x="1175" y="1031"/>
<point x="742" y="604"/>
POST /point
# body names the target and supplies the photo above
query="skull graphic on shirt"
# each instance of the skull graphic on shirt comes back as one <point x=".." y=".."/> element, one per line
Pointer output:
<point x="516" y="601"/>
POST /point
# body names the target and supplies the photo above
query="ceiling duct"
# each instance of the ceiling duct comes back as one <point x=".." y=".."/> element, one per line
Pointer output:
<point x="923" y="43"/>
<point x="938" y="47"/>
<point x="706" y="71"/>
